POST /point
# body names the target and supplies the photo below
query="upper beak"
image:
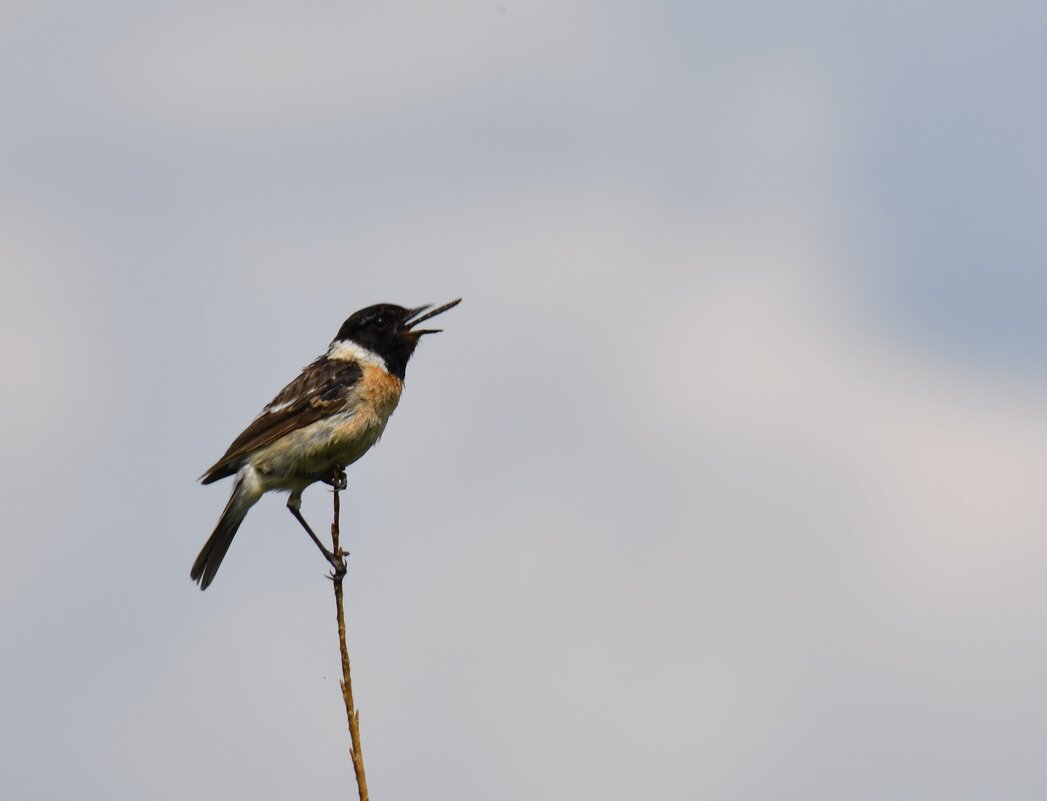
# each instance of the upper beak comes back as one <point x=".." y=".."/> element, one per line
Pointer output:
<point x="409" y="323"/>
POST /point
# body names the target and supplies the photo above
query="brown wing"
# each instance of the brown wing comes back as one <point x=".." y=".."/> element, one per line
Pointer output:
<point x="320" y="390"/>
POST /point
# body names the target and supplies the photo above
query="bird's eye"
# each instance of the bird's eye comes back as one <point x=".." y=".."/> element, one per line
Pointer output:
<point x="381" y="322"/>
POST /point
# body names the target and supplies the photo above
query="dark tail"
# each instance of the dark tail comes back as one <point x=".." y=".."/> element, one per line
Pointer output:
<point x="214" y="550"/>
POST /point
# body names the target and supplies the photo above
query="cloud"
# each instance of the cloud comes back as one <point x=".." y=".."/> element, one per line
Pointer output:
<point x="950" y="456"/>
<point x="223" y="71"/>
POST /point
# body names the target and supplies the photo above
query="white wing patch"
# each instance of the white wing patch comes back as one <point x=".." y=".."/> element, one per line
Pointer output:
<point x="279" y="407"/>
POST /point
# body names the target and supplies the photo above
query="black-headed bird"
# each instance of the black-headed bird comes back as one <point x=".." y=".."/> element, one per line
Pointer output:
<point x="324" y="420"/>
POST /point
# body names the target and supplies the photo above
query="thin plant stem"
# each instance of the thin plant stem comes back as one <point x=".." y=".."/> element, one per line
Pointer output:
<point x="351" y="712"/>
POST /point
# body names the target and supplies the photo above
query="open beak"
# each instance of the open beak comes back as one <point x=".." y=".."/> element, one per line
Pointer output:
<point x="412" y="320"/>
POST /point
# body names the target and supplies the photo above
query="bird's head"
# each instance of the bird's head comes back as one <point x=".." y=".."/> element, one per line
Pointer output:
<point x="388" y="331"/>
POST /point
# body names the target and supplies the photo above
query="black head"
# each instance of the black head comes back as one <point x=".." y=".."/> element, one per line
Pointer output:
<point x="388" y="331"/>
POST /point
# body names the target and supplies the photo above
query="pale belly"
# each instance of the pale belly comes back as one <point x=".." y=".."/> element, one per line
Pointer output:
<point x="317" y="449"/>
<point x="311" y="453"/>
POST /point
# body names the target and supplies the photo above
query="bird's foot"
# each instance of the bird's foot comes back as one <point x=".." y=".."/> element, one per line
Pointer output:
<point x="337" y="480"/>
<point x="338" y="568"/>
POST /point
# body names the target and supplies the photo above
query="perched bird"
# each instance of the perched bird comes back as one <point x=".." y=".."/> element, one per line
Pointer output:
<point x="324" y="420"/>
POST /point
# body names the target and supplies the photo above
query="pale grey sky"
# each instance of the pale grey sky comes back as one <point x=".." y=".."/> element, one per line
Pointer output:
<point x="725" y="481"/>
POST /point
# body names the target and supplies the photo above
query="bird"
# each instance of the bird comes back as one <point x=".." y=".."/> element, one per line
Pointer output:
<point x="321" y="422"/>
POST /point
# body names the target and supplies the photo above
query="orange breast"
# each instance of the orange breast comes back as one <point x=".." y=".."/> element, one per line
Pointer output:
<point x="374" y="398"/>
<point x="379" y="391"/>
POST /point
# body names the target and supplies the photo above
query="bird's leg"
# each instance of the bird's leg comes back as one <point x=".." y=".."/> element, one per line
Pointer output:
<point x="294" y="504"/>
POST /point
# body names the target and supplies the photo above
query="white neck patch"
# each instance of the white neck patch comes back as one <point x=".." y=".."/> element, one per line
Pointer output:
<point x="347" y="350"/>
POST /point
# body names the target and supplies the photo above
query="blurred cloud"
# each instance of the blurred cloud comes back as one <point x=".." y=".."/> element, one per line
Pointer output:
<point x="953" y="460"/>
